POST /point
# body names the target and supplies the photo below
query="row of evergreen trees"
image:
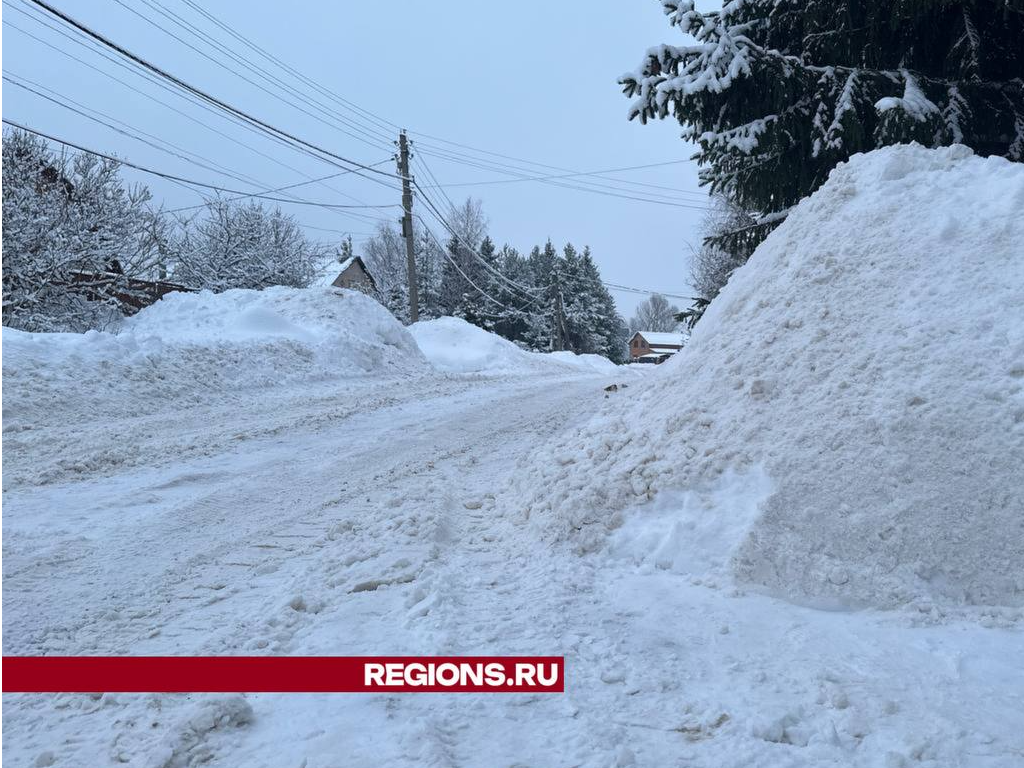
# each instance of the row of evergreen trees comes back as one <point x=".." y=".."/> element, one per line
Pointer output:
<point x="544" y="300"/>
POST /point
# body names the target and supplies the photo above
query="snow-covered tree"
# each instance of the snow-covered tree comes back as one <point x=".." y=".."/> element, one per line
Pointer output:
<point x="571" y="309"/>
<point x="655" y="314"/>
<point x="386" y="259"/>
<point x="777" y="92"/>
<point x="463" y="274"/>
<point x="244" y="245"/>
<point x="519" y="299"/>
<point x="542" y="332"/>
<point x="74" y="237"/>
<point x="713" y="263"/>
<point x="429" y="260"/>
<point x="608" y="331"/>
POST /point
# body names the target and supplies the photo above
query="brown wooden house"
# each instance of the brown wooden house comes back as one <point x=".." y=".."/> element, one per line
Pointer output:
<point x="654" y="346"/>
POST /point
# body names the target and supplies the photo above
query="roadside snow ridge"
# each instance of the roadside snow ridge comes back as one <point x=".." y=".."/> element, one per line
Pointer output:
<point x="869" y="360"/>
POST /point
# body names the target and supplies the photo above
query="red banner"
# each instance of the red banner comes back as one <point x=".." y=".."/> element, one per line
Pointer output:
<point x="283" y="674"/>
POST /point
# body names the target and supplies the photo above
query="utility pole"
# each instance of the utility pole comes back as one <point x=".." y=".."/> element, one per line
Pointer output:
<point x="560" y="344"/>
<point x="410" y="250"/>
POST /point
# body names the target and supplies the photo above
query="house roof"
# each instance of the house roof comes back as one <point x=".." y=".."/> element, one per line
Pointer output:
<point x="334" y="269"/>
<point x="661" y="339"/>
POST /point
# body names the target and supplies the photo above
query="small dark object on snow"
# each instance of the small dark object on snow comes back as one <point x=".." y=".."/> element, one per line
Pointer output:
<point x="612" y="388"/>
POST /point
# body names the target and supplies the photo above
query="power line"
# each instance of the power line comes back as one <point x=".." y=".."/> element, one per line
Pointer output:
<point x="181" y="179"/>
<point x="476" y="254"/>
<point x="644" y="291"/>
<point x="311" y="148"/>
<point x="591" y="189"/>
<point x="376" y="141"/>
<point x="468" y="279"/>
<point x="279" y="189"/>
<point x="382" y="138"/>
<point x="65" y="102"/>
<point x="567" y="176"/>
<point x="386" y="124"/>
<point x="521" y="160"/>
<point x="191" y="99"/>
<point x="479" y="257"/>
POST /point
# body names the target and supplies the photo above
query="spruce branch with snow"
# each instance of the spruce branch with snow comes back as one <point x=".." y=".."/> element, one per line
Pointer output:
<point x="776" y="93"/>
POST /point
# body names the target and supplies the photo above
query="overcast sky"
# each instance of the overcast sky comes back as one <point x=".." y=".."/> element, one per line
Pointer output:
<point x="533" y="79"/>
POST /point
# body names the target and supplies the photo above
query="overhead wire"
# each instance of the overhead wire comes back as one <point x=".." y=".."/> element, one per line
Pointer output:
<point x="175" y="177"/>
<point x="187" y="97"/>
<point x="451" y="155"/>
<point x="313" y="149"/>
<point x="374" y="141"/>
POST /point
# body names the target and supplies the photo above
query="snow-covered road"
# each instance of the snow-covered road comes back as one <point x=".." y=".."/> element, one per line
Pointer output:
<point x="147" y="560"/>
<point x="365" y="522"/>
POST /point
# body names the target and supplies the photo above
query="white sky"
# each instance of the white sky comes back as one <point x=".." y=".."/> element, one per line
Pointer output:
<point x="534" y="79"/>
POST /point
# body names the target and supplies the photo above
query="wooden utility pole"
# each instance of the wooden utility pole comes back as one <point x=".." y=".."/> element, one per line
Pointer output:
<point x="561" y="343"/>
<point x="410" y="249"/>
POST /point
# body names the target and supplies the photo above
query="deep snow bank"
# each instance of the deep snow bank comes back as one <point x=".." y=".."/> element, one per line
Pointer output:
<point x="869" y="361"/>
<point x="187" y="348"/>
<point x="455" y="346"/>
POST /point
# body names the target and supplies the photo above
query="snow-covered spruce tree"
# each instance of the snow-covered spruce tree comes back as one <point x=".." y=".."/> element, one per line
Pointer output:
<point x="592" y="323"/>
<point x="74" y="237"/>
<point x="777" y="92"/>
<point x="471" y="301"/>
<point x="541" y="332"/>
<point x="428" y="275"/>
<point x="244" y="245"/>
<point x="516" y="294"/>
<point x="611" y="331"/>
<point x="588" y="322"/>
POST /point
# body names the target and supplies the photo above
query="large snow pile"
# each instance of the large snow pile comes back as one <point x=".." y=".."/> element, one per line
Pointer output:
<point x="869" y="362"/>
<point x="188" y="347"/>
<point x="455" y="346"/>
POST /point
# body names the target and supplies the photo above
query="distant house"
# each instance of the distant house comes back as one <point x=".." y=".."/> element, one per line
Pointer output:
<point x="351" y="273"/>
<point x="654" y="346"/>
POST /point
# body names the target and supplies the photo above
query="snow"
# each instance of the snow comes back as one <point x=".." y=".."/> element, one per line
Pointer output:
<point x="302" y="507"/>
<point x="913" y="101"/>
<point x="595" y="363"/>
<point x="453" y="345"/>
<point x="187" y="351"/>
<point x="868" y="359"/>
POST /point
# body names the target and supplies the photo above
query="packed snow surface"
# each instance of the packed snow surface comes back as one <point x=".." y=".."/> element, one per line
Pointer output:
<point x="191" y="344"/>
<point x="189" y="352"/>
<point x="868" y="363"/>
<point x="249" y="478"/>
<point x="451" y="344"/>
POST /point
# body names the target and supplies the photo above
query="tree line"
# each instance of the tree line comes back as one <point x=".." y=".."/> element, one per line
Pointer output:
<point x="546" y="299"/>
<point x="82" y="248"/>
